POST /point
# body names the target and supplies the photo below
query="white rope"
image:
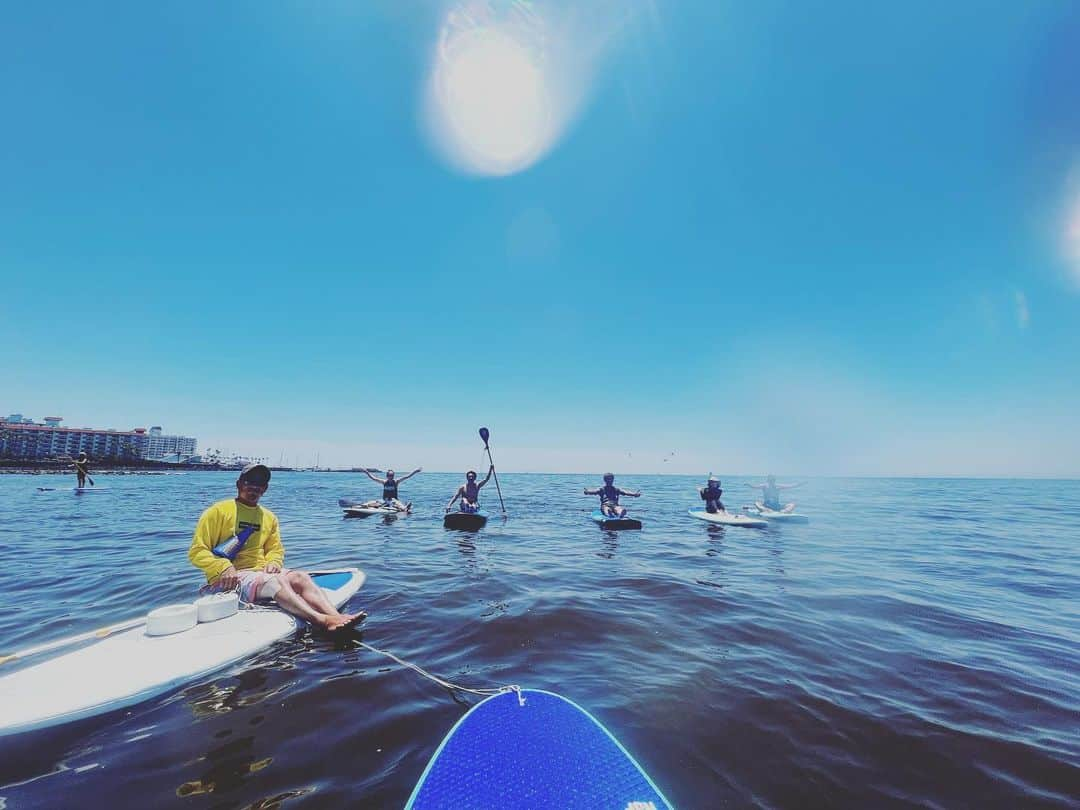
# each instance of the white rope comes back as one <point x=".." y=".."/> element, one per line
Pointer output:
<point x="491" y="692"/>
<point x="453" y="687"/>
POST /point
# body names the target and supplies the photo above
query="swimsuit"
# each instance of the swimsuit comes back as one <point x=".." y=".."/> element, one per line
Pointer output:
<point x="472" y="494"/>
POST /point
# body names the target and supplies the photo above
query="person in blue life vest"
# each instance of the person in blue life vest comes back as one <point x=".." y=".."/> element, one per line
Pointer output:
<point x="469" y="492"/>
<point x="237" y="545"/>
<point x="770" y="491"/>
<point x="710" y="493"/>
<point x="609" y="496"/>
<point x="390" y="490"/>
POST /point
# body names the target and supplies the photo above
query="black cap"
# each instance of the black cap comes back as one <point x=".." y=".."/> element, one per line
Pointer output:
<point x="255" y="472"/>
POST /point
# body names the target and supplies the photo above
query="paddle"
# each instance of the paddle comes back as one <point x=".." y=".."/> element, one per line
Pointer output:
<point x="101" y="632"/>
<point x="88" y="478"/>
<point x="485" y="434"/>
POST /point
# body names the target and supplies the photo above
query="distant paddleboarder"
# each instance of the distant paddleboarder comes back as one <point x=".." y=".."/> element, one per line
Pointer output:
<point x="82" y="470"/>
<point x="710" y="493"/>
<point x="609" y="496"/>
<point x="770" y="491"/>
<point x="390" y="490"/>
<point x="469" y="492"/>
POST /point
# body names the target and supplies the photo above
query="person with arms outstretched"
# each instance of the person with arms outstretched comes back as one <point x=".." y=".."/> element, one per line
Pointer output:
<point x="710" y="493"/>
<point x="390" y="490"/>
<point x="469" y="492"/>
<point x="609" y="496"/>
<point x="237" y="544"/>
<point x="770" y="491"/>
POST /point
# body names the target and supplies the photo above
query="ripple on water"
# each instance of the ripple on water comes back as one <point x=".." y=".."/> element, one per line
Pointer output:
<point x="909" y="646"/>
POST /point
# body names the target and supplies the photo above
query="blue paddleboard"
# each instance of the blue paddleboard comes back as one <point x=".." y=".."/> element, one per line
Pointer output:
<point x="608" y="522"/>
<point x="548" y="753"/>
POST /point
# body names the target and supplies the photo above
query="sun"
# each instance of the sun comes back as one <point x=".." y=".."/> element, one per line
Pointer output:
<point x="490" y="101"/>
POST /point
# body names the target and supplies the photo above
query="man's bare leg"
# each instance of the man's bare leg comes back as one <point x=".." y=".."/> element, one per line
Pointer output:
<point x="306" y="589"/>
<point x="288" y="600"/>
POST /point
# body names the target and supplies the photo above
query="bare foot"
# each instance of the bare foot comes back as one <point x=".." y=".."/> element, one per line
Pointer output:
<point x="344" y="621"/>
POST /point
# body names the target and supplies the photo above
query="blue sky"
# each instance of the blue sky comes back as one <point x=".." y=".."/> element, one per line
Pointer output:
<point x="836" y="238"/>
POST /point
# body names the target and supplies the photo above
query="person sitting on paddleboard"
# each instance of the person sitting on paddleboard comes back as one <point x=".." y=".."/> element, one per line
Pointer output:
<point x="609" y="496"/>
<point x="469" y="492"/>
<point x="82" y="469"/>
<point x="710" y="493"/>
<point x="770" y="491"/>
<point x="389" y="489"/>
<point x="256" y="567"/>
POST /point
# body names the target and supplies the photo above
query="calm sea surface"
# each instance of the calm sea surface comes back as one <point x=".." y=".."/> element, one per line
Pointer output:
<point x="918" y="643"/>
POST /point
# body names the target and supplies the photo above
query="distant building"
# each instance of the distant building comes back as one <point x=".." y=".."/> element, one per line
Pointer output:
<point x="21" y="438"/>
<point x="29" y="441"/>
<point x="170" y="448"/>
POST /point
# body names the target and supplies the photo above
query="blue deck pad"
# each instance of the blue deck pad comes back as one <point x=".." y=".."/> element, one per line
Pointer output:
<point x="332" y="581"/>
<point x="549" y="753"/>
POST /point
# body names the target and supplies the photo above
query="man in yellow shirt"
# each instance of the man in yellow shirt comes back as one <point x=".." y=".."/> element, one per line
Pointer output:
<point x="237" y="543"/>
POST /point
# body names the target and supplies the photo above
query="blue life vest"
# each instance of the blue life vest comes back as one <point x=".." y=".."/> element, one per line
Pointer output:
<point x="231" y="547"/>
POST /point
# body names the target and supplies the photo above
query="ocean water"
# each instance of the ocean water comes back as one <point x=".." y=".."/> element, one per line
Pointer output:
<point x="916" y="644"/>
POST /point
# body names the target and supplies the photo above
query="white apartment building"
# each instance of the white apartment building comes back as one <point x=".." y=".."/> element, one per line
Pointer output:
<point x="162" y="446"/>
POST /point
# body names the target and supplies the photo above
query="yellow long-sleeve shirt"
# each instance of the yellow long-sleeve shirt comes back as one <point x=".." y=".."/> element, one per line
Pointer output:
<point x="224" y="519"/>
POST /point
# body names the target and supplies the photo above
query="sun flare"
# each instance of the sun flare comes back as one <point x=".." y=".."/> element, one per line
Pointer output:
<point x="494" y="100"/>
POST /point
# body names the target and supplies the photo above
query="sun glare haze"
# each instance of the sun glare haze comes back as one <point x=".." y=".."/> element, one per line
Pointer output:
<point x="491" y="104"/>
<point x="1072" y="239"/>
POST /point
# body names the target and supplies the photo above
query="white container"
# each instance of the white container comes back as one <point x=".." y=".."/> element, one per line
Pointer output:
<point x="164" y="621"/>
<point x="216" y="606"/>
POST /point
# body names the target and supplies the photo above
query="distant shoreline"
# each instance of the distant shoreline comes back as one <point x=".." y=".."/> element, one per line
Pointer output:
<point x="22" y="467"/>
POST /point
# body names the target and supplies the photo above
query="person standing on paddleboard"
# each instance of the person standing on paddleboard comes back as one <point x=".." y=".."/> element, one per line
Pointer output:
<point x="469" y="492"/>
<point x="237" y="544"/>
<point x="389" y="489"/>
<point x="710" y="493"/>
<point x="609" y="496"/>
<point x="82" y="469"/>
<point x="770" y="492"/>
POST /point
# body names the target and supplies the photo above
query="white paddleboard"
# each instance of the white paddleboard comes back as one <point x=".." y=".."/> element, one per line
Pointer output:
<point x="773" y="516"/>
<point x="130" y="667"/>
<point x="368" y="508"/>
<point x="728" y="519"/>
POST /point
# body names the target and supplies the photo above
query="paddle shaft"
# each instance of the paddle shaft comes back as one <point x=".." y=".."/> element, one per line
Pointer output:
<point x="101" y="632"/>
<point x="496" y="477"/>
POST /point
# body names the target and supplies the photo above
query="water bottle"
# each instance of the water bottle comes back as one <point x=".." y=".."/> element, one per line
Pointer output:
<point x="231" y="547"/>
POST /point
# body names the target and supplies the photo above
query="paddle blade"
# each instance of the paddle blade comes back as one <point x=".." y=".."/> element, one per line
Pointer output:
<point x="484" y="434"/>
